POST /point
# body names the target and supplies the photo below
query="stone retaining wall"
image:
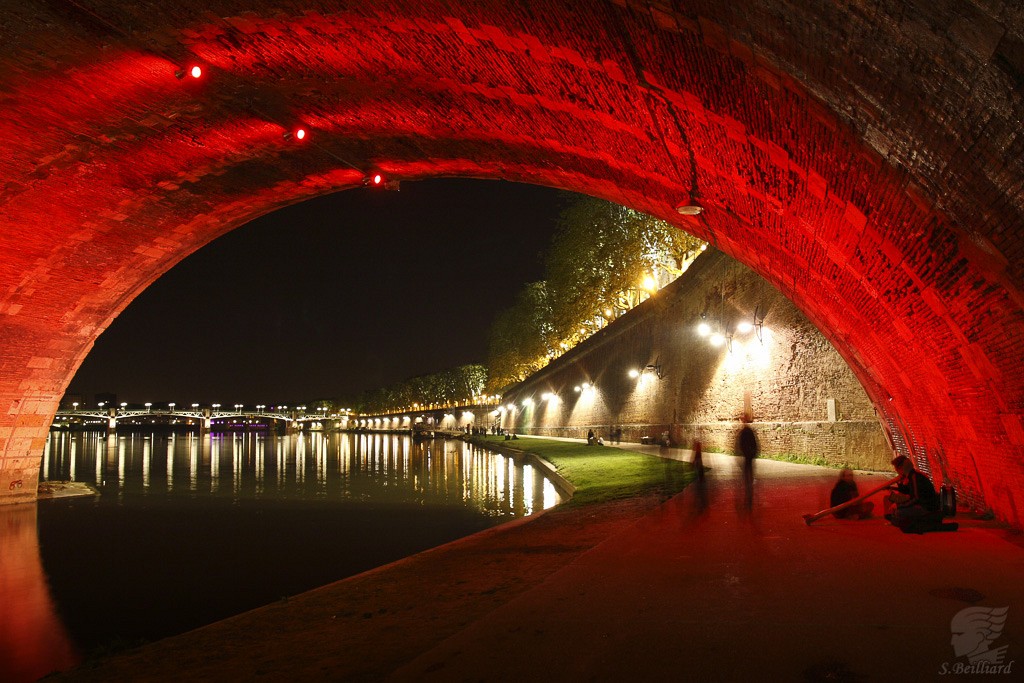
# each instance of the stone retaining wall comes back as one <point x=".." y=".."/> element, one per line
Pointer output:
<point x="804" y="399"/>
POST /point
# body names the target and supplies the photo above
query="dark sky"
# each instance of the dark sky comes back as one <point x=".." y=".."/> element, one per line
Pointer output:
<point x="330" y="297"/>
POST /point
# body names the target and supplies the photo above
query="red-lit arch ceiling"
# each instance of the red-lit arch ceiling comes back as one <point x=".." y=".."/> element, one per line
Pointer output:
<point x="864" y="159"/>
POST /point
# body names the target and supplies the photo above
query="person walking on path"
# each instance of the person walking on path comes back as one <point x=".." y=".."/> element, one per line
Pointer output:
<point x="748" y="447"/>
<point x="700" y="484"/>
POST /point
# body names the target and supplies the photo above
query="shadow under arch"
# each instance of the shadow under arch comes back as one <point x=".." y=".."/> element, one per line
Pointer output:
<point x="117" y="169"/>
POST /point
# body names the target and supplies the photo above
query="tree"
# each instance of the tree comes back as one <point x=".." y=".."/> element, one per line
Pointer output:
<point x="520" y="338"/>
<point x="599" y="261"/>
<point x="595" y="270"/>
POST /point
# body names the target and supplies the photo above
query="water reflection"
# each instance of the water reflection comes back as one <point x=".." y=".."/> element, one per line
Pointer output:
<point x="183" y="519"/>
<point x="33" y="641"/>
<point x="336" y="466"/>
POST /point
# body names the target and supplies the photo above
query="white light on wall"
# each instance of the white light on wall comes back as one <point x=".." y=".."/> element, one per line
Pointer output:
<point x="716" y="340"/>
<point x="634" y="373"/>
<point x="703" y="329"/>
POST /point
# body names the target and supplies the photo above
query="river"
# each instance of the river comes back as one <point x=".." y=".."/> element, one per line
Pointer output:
<point x="189" y="529"/>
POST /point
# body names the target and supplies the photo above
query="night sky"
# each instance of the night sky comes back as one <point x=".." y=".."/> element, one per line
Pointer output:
<point x="330" y="297"/>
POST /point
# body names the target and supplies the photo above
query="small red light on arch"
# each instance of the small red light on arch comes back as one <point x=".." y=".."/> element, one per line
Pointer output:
<point x="195" y="71"/>
<point x="300" y="133"/>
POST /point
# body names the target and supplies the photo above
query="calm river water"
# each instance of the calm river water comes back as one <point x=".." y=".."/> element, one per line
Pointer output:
<point x="190" y="529"/>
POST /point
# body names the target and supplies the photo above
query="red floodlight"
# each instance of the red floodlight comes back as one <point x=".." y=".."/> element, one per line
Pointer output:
<point x="297" y="134"/>
<point x="195" y="71"/>
<point x="378" y="179"/>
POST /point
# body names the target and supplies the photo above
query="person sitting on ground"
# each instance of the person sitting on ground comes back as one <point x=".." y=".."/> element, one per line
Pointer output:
<point x="844" y="490"/>
<point x="914" y="506"/>
<point x="590" y="437"/>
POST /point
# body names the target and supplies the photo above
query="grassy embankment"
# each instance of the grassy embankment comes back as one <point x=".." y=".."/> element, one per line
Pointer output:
<point x="602" y="473"/>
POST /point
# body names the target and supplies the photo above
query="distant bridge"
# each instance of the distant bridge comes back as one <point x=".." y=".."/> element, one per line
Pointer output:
<point x="204" y="416"/>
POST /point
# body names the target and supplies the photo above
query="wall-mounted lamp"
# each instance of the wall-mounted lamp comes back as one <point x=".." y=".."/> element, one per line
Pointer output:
<point x="759" y="323"/>
<point x="703" y="329"/>
<point x="297" y="134"/>
<point x="653" y="368"/>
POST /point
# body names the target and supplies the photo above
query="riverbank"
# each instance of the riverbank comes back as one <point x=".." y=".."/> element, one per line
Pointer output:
<point x="634" y="588"/>
<point x="365" y="627"/>
<point x="65" y="489"/>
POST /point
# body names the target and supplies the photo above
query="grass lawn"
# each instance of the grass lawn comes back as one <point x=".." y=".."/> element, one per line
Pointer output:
<point x="603" y="473"/>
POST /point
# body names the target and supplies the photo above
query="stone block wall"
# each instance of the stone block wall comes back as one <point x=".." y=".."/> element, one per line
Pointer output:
<point x="803" y="397"/>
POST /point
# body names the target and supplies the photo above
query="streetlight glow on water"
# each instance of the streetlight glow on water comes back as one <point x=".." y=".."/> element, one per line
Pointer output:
<point x="182" y="520"/>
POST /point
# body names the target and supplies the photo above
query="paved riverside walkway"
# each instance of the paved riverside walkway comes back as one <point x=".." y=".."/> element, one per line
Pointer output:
<point x="635" y="590"/>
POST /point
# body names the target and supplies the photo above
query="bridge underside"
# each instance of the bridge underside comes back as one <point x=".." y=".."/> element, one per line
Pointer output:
<point x="865" y="161"/>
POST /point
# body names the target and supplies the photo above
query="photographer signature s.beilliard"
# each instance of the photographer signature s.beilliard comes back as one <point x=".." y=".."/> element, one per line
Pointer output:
<point x="974" y="629"/>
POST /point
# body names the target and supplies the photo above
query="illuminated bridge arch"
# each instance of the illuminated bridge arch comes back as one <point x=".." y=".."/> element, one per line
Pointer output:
<point x="868" y="164"/>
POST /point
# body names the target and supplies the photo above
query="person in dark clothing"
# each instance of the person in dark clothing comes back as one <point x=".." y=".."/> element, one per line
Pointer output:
<point x="844" y="490"/>
<point x="747" y="445"/>
<point x="590" y="437"/>
<point x="700" y="484"/>
<point x="914" y="506"/>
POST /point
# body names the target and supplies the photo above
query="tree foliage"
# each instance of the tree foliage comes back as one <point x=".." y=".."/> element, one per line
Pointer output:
<point x="595" y="270"/>
<point x="448" y="387"/>
<point x="520" y="339"/>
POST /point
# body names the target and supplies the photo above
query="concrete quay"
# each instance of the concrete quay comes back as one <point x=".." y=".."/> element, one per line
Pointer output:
<point x="636" y="590"/>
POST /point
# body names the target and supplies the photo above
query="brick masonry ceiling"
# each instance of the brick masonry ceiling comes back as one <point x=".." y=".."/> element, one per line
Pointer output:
<point x="865" y="158"/>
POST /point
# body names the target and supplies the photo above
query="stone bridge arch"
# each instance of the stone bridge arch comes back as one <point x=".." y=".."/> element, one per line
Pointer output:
<point x="867" y="161"/>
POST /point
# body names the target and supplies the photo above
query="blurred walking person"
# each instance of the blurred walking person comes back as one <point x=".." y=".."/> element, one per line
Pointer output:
<point x="748" y="447"/>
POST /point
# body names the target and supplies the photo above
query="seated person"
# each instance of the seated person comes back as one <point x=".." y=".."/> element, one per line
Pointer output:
<point x="844" y="490"/>
<point x="914" y="506"/>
